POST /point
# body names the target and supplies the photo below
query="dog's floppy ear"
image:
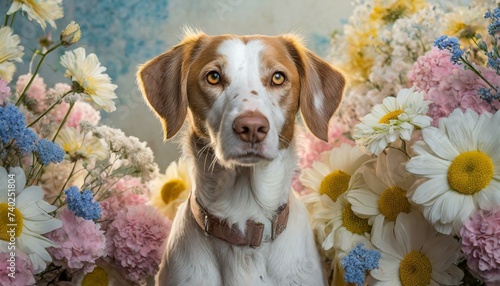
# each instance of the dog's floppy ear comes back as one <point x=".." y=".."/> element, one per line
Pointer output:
<point x="321" y="88"/>
<point x="162" y="81"/>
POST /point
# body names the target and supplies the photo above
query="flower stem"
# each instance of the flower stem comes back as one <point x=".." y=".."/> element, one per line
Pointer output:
<point x="48" y="109"/>
<point x="12" y="21"/>
<point x="469" y="65"/>
<point x="26" y="88"/>
<point x="63" y="121"/>
<point x="6" y="20"/>
<point x="65" y="183"/>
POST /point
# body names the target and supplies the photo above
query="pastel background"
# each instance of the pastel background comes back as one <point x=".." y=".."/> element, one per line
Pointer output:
<point x="125" y="34"/>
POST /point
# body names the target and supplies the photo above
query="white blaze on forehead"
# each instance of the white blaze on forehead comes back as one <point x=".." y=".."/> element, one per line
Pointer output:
<point x="242" y="62"/>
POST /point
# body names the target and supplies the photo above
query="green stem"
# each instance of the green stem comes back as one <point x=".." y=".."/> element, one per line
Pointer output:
<point x="35" y="73"/>
<point x="6" y="20"/>
<point x="63" y="121"/>
<point x="469" y="65"/>
<point x="65" y="183"/>
<point x="12" y="21"/>
<point x="49" y="109"/>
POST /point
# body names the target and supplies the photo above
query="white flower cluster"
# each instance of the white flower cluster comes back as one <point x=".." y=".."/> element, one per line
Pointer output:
<point x="130" y="151"/>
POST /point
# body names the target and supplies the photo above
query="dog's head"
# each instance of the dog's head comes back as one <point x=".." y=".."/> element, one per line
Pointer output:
<point x="242" y="93"/>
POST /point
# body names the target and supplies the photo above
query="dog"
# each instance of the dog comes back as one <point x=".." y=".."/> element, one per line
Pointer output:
<point x="242" y="224"/>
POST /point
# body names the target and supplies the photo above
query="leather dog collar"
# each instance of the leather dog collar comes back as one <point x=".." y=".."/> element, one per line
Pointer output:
<point x="220" y="229"/>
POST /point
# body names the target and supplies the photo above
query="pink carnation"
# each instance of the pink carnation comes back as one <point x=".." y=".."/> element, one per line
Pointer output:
<point x="481" y="245"/>
<point x="135" y="241"/>
<point x="450" y="86"/>
<point x="23" y="270"/>
<point x="37" y="90"/>
<point x="4" y="91"/>
<point x="81" y="242"/>
<point x="117" y="201"/>
<point x="81" y="111"/>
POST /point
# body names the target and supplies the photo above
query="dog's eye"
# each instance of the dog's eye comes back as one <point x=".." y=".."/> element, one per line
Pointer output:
<point x="278" y="78"/>
<point x="213" y="77"/>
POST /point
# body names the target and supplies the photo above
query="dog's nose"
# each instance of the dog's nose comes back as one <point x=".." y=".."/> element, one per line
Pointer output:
<point x="252" y="127"/>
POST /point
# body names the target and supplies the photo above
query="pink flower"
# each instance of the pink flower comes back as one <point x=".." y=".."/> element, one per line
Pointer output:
<point x="118" y="201"/>
<point x="22" y="269"/>
<point x="81" y="111"/>
<point x="481" y="245"/>
<point x="37" y="91"/>
<point x="4" y="91"/>
<point x="129" y="183"/>
<point x="135" y="241"/>
<point x="430" y="69"/>
<point x="309" y="147"/>
<point x="81" y="242"/>
<point x="58" y="90"/>
<point x="450" y="86"/>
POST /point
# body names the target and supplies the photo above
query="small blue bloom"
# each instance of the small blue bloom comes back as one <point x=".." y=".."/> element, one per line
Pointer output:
<point x="358" y="262"/>
<point x="489" y="94"/>
<point x="13" y="127"/>
<point x="48" y="151"/>
<point x="494" y="26"/>
<point x="451" y="44"/>
<point x="82" y="204"/>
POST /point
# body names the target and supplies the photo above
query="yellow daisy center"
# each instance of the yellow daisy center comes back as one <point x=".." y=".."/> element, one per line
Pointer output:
<point x="470" y="172"/>
<point x="390" y="116"/>
<point x="172" y="189"/>
<point x="12" y="219"/>
<point x="335" y="184"/>
<point x="415" y="269"/>
<point x="98" y="277"/>
<point x="392" y="202"/>
<point x="353" y="223"/>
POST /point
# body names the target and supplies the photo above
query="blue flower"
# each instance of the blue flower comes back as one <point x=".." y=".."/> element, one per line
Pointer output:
<point x="451" y="44"/>
<point x="494" y="26"/>
<point x="488" y="95"/>
<point x="82" y="204"/>
<point x="13" y="127"/>
<point x="48" y="151"/>
<point x="358" y="262"/>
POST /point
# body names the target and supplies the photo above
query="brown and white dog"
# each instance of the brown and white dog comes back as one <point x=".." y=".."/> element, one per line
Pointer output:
<point x="242" y="225"/>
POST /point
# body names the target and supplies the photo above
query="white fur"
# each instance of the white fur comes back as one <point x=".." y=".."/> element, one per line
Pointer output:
<point x="238" y="191"/>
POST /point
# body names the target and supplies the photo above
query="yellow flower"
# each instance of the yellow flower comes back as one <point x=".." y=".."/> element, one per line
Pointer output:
<point x="89" y="76"/>
<point x="169" y="190"/>
<point x="71" y="34"/>
<point x="39" y="10"/>
<point x="10" y="50"/>
<point x="389" y="11"/>
<point x="361" y="53"/>
<point x="81" y="146"/>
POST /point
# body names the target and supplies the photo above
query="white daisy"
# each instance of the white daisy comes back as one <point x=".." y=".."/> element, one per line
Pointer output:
<point x="78" y="145"/>
<point x="346" y="227"/>
<point x="30" y="216"/>
<point x="10" y="50"/>
<point x="88" y="73"/>
<point x="460" y="162"/>
<point x="39" y="10"/>
<point x="169" y="190"/>
<point x="380" y="187"/>
<point x="414" y="253"/>
<point x="394" y="118"/>
<point x="331" y="174"/>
